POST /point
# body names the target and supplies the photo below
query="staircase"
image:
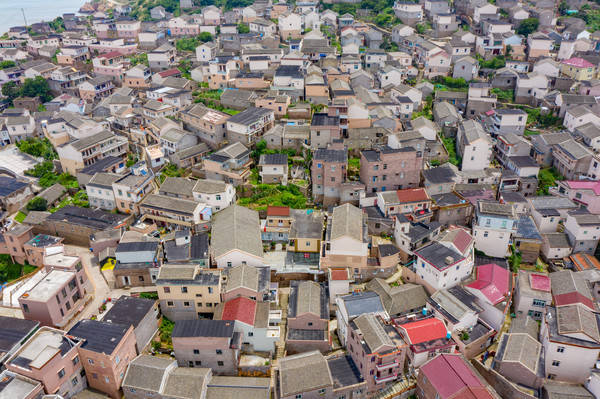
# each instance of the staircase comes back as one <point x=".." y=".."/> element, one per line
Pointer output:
<point x="397" y="388"/>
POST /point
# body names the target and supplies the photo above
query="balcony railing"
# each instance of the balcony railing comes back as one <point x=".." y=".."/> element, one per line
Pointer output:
<point x="387" y="378"/>
<point x="386" y="365"/>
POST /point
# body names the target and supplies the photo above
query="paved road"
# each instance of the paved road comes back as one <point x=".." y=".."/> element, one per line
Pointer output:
<point x="99" y="288"/>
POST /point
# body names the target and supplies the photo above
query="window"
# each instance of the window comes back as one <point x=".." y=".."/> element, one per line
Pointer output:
<point x="560" y="349"/>
<point x="186" y="303"/>
<point x="167" y="290"/>
<point x="74" y="381"/>
<point x="75" y="360"/>
<point x="169" y="303"/>
<point x="196" y="351"/>
<point x="219" y="352"/>
<point x="61" y="373"/>
<point x="198" y="363"/>
<point x="184" y="290"/>
<point x="25" y="308"/>
<point x="250" y="334"/>
<point x="322" y="391"/>
<point x="555" y="363"/>
<point x="91" y="361"/>
<point x="299" y="396"/>
<point x="220" y="363"/>
<point x="210" y="290"/>
<point x="538" y="302"/>
<point x="106" y="379"/>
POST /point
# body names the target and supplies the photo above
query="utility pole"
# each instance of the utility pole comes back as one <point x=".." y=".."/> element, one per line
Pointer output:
<point x="24" y="19"/>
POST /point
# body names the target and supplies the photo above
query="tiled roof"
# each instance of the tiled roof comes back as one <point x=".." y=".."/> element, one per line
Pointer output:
<point x="492" y="281"/>
<point x="240" y="309"/>
<point x="424" y="330"/>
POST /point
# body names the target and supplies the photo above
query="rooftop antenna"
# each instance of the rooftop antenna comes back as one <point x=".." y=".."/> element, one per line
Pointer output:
<point x="24" y="19"/>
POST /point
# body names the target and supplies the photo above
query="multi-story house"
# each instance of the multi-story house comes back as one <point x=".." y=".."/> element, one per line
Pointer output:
<point x="128" y="29"/>
<point x="406" y="201"/>
<point x="71" y="55"/>
<point x="235" y="238"/>
<point x="473" y="144"/>
<point x="51" y="357"/>
<point x="324" y="129"/>
<point x="385" y="168"/>
<point x="209" y="125"/>
<point x="174" y="140"/>
<point x="441" y="266"/>
<point x="328" y="173"/>
<point x="86" y="151"/>
<point x="571" y="159"/>
<point x="96" y="88"/>
<point x="183" y="26"/>
<point x="308" y="318"/>
<point x="163" y="57"/>
<point x="493" y="227"/>
<point x="349" y="307"/>
<point x="583" y="192"/>
<point x="305" y="235"/>
<point x="253" y="320"/>
<point x="578" y="68"/>
<point x="100" y="190"/>
<point x="532" y="294"/>
<point x="214" y="193"/>
<point x="130" y="190"/>
<point x="172" y="212"/>
<point x="250" y="125"/>
<point x="187" y="292"/>
<point x="55" y="298"/>
<point x="410" y="13"/>
<point x="138" y="76"/>
<point x="510" y="145"/>
<point x="273" y="168"/>
<point x="105" y="356"/>
<point x="247" y="281"/>
<point x="550" y="211"/>
<point x="347" y="240"/>
<point x="207" y="343"/>
<point x="109" y="64"/>
<point x="580" y="116"/>
<point x="426" y="336"/>
<point x="377" y="349"/>
<point x="277" y="224"/>
<point x="230" y="164"/>
<point x="505" y="121"/>
<point x="583" y="231"/>
<point x="571" y="339"/>
<point x="530" y="87"/>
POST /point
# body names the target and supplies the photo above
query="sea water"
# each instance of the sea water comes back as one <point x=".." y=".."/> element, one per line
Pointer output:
<point x="35" y="11"/>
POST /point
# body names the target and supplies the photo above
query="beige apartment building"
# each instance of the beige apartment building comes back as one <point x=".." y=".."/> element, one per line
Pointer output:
<point x="188" y="292"/>
<point x="87" y="151"/>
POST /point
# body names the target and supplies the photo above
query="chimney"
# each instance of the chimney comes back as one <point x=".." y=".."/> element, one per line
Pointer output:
<point x="449" y="260"/>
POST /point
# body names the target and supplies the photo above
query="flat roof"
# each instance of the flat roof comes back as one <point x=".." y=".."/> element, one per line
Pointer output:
<point x="49" y="286"/>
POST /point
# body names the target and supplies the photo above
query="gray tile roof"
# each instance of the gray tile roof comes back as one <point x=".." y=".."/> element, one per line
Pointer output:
<point x="147" y="372"/>
<point x="302" y="373"/>
<point x="206" y="186"/>
<point x="520" y="348"/>
<point x="347" y="221"/>
<point x="169" y="203"/>
<point x="236" y="227"/>
<point x="177" y="185"/>
<point x="373" y="332"/>
<point x="397" y="300"/>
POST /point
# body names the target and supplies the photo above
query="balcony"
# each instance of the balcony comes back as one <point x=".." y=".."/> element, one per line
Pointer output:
<point x="387" y="365"/>
<point x="388" y="378"/>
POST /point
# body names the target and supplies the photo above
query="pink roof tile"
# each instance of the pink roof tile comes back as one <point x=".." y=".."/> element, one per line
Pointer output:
<point x="578" y="63"/>
<point x="539" y="282"/>
<point x="584" y="185"/>
<point x="462" y="239"/>
<point x="492" y="281"/>
<point x="453" y="378"/>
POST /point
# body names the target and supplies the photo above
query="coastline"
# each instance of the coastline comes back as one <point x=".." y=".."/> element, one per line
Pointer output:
<point x="35" y="11"/>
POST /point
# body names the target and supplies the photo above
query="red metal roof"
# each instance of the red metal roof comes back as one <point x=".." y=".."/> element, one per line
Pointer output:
<point x="573" y="298"/>
<point x="492" y="281"/>
<point x="540" y="282"/>
<point x="453" y="378"/>
<point x="240" y="309"/>
<point x="111" y="54"/>
<point x="424" y="330"/>
<point x="278" y="210"/>
<point x="412" y="195"/>
<point x="462" y="239"/>
<point x="169" y="72"/>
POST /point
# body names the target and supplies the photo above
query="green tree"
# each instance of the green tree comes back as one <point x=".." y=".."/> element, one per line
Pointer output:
<point x="7" y="64"/>
<point x="205" y="37"/>
<point x="36" y="87"/>
<point x="37" y="204"/>
<point x="528" y="26"/>
<point x="243" y="28"/>
<point x="10" y="91"/>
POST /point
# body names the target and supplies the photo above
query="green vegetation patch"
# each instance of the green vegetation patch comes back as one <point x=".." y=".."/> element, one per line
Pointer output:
<point x="276" y="195"/>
